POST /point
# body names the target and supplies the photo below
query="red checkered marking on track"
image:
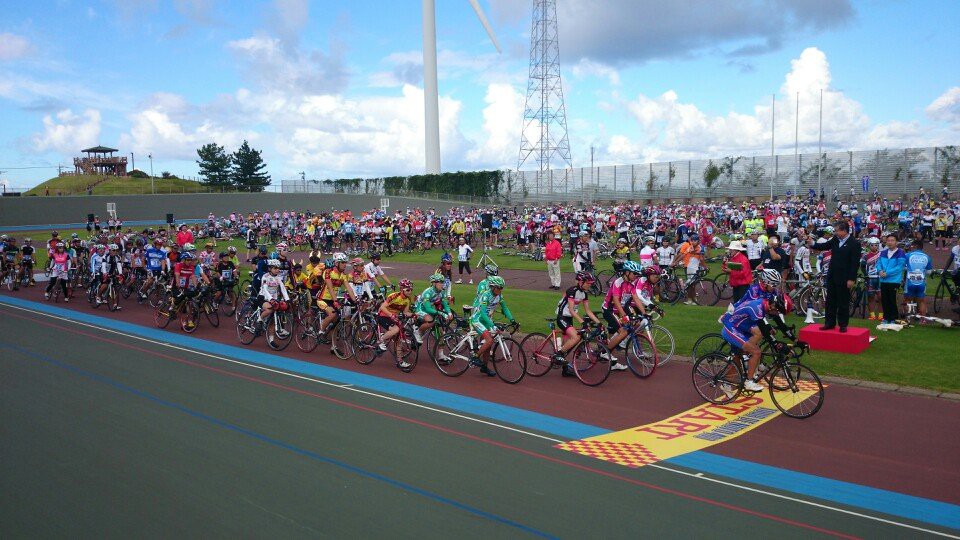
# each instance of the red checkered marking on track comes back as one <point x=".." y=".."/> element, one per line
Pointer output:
<point x="628" y="454"/>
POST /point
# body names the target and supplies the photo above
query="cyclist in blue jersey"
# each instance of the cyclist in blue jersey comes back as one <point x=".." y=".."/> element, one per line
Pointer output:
<point x="919" y="266"/>
<point x="156" y="257"/>
<point x="762" y="288"/>
<point x="744" y="327"/>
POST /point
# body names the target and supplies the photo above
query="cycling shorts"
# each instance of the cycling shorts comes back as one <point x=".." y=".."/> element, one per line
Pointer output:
<point x="873" y="285"/>
<point x="613" y="323"/>
<point x="385" y="322"/>
<point x="915" y="291"/>
<point x="734" y="337"/>
<point x="564" y="322"/>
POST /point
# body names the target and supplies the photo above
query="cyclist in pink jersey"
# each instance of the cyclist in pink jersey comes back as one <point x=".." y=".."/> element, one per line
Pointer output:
<point x="617" y="303"/>
<point x="648" y="253"/>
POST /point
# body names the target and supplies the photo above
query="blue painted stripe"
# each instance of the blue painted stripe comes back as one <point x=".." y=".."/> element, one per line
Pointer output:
<point x="53" y="226"/>
<point x="275" y="442"/>
<point x="879" y="500"/>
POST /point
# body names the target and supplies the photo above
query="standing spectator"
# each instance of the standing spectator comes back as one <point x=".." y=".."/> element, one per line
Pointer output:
<point x="775" y="258"/>
<point x="890" y="268"/>
<point x="738" y="266"/>
<point x="919" y="266"/>
<point x="184" y="236"/>
<point x="842" y="274"/>
<point x="584" y="253"/>
<point x="463" y="260"/>
<point x="754" y="249"/>
<point x="553" y="251"/>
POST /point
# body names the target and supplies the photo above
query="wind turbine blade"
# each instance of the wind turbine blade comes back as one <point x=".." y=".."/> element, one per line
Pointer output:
<point x="485" y="23"/>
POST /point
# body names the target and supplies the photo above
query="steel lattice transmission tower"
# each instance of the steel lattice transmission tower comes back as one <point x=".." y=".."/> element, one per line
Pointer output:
<point x="544" y="111"/>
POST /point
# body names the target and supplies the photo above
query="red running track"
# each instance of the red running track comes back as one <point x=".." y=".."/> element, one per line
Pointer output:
<point x="908" y="444"/>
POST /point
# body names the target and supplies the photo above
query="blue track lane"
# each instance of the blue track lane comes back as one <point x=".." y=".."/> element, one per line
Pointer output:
<point x="846" y="493"/>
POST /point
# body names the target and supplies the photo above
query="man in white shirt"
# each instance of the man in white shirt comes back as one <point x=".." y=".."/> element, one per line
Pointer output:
<point x="463" y="260"/>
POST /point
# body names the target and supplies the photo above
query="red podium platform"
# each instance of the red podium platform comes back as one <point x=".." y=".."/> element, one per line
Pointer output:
<point x="853" y="341"/>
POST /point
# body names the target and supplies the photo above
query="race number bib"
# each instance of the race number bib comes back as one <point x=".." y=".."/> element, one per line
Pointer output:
<point x="227" y="274"/>
<point x="915" y="275"/>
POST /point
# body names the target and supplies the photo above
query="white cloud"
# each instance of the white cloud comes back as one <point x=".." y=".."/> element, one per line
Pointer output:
<point x="170" y="128"/>
<point x="13" y="47"/>
<point x="273" y="66"/>
<point x="67" y="132"/>
<point x="946" y="108"/>
<point x="589" y="68"/>
<point x="501" y="128"/>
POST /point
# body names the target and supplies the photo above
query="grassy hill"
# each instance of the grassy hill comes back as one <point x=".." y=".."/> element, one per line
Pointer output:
<point x="114" y="185"/>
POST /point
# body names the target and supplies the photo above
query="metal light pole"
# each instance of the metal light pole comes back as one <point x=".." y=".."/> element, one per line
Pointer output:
<point x="773" y="135"/>
<point x="153" y="189"/>
<point x="133" y="162"/>
<point x="820" y="145"/>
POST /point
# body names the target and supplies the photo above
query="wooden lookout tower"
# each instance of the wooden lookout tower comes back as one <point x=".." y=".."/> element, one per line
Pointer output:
<point x="101" y="161"/>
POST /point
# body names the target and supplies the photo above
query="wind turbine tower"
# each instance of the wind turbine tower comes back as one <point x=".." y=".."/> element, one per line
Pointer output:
<point x="543" y="140"/>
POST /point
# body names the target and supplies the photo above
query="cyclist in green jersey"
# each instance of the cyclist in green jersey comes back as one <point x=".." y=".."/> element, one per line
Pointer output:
<point x="491" y="270"/>
<point x="481" y="320"/>
<point x="431" y="305"/>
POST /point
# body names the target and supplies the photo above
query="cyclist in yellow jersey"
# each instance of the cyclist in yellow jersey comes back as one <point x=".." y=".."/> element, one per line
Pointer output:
<point x="389" y="312"/>
<point x="334" y="279"/>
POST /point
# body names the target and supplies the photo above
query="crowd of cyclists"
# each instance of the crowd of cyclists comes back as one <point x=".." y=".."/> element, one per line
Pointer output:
<point x="339" y="293"/>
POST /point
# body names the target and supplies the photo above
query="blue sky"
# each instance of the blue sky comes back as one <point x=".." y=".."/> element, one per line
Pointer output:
<point x="334" y="88"/>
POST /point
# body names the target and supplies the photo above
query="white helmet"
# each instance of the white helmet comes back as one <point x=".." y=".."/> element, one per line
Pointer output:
<point x="873" y="241"/>
<point x="113" y="247"/>
<point x="770" y="277"/>
<point x="188" y="247"/>
<point x="273" y="263"/>
<point x="339" y="257"/>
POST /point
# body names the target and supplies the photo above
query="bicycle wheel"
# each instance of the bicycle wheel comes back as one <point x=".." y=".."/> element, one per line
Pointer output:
<point x="8" y="280"/>
<point x="802" y="395"/>
<point x="539" y="350"/>
<point x="247" y="324"/>
<point x="402" y="351"/>
<point x="663" y="342"/>
<point x="591" y="363"/>
<point x="280" y="330"/>
<point x="641" y="355"/>
<point x="343" y="340"/>
<point x="710" y="343"/>
<point x="604" y="278"/>
<point x="163" y="315"/>
<point x="816" y="298"/>
<point x="365" y="337"/>
<point x="113" y="298"/>
<point x="156" y="296"/>
<point x="717" y="378"/>
<point x="189" y="316"/>
<point x="941" y="297"/>
<point x="723" y="283"/>
<point x="127" y="288"/>
<point x="451" y="354"/>
<point x="706" y="292"/>
<point x="670" y="291"/>
<point x="211" y="313"/>
<point x="508" y="360"/>
<point x="305" y="334"/>
<point x="228" y="302"/>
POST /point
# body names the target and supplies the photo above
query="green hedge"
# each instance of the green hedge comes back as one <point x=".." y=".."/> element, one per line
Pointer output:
<point x="474" y="183"/>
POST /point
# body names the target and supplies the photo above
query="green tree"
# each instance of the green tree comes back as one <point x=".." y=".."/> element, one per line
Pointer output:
<point x="948" y="159"/>
<point x="214" y="165"/>
<point x="248" y="169"/>
<point x="710" y="174"/>
<point x="753" y="174"/>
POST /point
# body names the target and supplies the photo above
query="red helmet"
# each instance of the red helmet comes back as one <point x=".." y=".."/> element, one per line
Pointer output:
<point x="405" y="284"/>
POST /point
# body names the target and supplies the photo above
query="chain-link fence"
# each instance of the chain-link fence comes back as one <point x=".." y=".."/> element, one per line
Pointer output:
<point x="890" y="172"/>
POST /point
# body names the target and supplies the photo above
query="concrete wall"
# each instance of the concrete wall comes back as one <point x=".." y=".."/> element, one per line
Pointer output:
<point x="60" y="210"/>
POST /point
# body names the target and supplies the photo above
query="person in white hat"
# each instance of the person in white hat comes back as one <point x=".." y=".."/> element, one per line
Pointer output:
<point x="738" y="266"/>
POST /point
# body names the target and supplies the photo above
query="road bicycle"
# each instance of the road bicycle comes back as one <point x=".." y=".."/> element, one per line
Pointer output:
<point x="278" y="327"/>
<point x="945" y="296"/>
<point x="705" y="291"/>
<point x="111" y="295"/>
<point x="457" y="350"/>
<point x="590" y="359"/>
<point x="401" y="346"/>
<point x="810" y="293"/>
<point x="795" y="389"/>
<point x="180" y="307"/>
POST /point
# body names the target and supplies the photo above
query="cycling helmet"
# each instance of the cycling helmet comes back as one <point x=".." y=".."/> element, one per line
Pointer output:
<point x="652" y="270"/>
<point x="224" y="254"/>
<point x="339" y="257"/>
<point x="232" y="249"/>
<point x="27" y="240"/>
<point x="649" y="239"/>
<point x="770" y="277"/>
<point x="496" y="281"/>
<point x="282" y="245"/>
<point x="328" y="262"/>
<point x="157" y="242"/>
<point x="74" y="235"/>
<point x="828" y="229"/>
<point x="445" y="258"/>
<point x="491" y="269"/>
<point x="274" y="256"/>
<point x="3" y="237"/>
<point x="60" y="245"/>
<point x="188" y="246"/>
<point x="405" y="284"/>
<point x="374" y="256"/>
<point x="736" y="236"/>
<point x="586" y="277"/>
<point x="54" y="233"/>
<point x="114" y="247"/>
<point x="437" y="278"/>
<point x="631" y="266"/>
<point x="695" y="236"/>
<point x="873" y="240"/>
<point x="262" y="250"/>
<point x="187" y="255"/>
<point x="273" y="263"/>
<point x="621" y="240"/>
<point x="356" y="261"/>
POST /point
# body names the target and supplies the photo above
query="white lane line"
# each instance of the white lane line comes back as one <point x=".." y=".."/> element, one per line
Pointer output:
<point x="698" y="475"/>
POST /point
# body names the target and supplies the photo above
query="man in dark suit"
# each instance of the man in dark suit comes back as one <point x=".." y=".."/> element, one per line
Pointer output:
<point x="844" y="264"/>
